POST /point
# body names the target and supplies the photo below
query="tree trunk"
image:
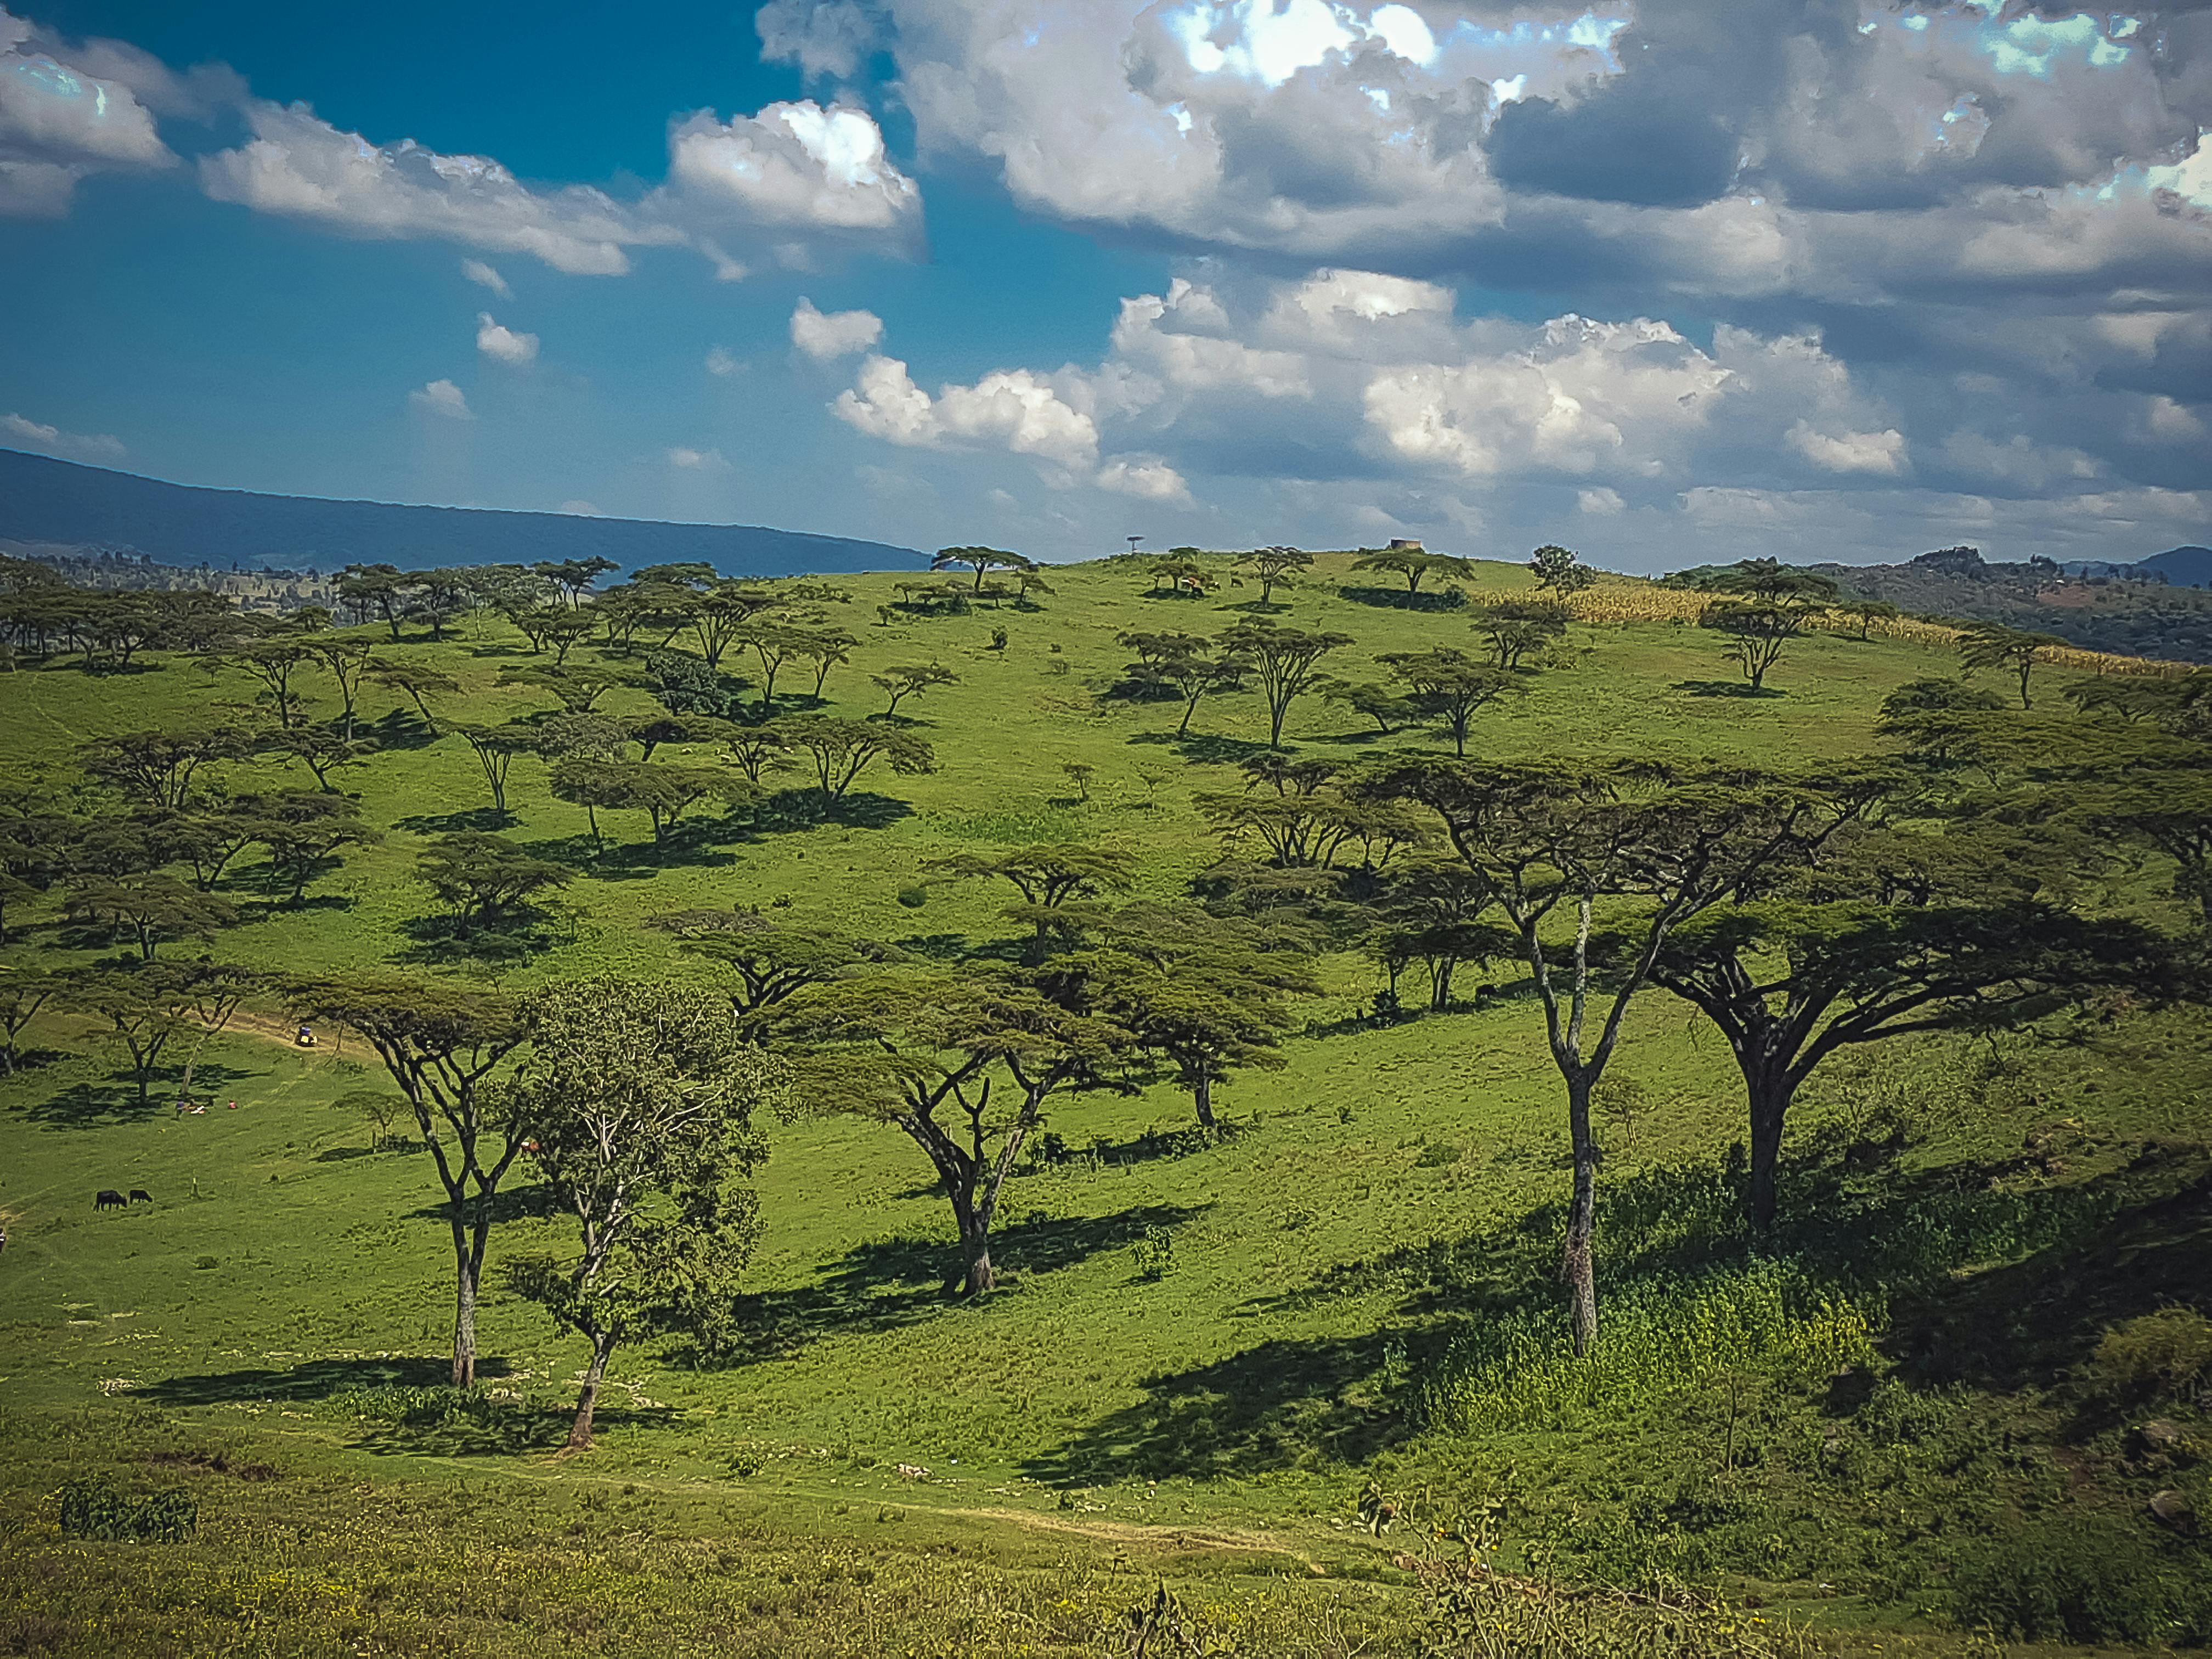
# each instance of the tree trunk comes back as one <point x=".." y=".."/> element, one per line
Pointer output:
<point x="977" y="1277"/>
<point x="464" y="1307"/>
<point x="1769" y="1106"/>
<point x="580" y="1433"/>
<point x="1202" y="1093"/>
<point x="1575" y="1266"/>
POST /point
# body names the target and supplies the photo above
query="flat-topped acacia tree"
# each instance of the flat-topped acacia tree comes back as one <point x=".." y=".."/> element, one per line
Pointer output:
<point x="924" y="1050"/>
<point x="1050" y="879"/>
<point x="439" y="1043"/>
<point x="980" y="560"/>
<point x="1546" y="838"/>
<point x="1273" y="566"/>
<point x="1414" y="565"/>
<point x="771" y="962"/>
<point x="1286" y="661"/>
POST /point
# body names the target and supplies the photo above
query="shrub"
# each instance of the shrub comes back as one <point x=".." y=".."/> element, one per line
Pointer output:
<point x="2160" y="1354"/>
<point x="2088" y="1577"/>
<point x="1661" y="1336"/>
<point x="96" y="1506"/>
<point x="913" y="897"/>
<point x="1437" y="1154"/>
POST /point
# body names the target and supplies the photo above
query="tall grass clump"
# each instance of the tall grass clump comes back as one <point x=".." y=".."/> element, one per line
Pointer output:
<point x="1662" y="1335"/>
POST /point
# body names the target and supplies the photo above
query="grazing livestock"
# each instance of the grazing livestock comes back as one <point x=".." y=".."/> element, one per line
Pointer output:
<point x="140" y="1195"/>
<point x="108" y="1198"/>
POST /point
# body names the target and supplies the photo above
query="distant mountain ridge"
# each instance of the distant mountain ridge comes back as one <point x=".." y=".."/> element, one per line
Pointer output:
<point x="44" y="500"/>
<point x="2181" y="567"/>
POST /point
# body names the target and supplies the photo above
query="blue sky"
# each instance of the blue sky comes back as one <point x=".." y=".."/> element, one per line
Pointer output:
<point x="1665" y="282"/>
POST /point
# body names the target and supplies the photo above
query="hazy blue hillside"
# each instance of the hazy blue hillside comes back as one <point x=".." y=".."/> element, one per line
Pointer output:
<point x="43" y="500"/>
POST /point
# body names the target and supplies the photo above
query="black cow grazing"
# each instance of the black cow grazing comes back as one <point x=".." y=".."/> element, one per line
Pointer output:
<point x="108" y="1198"/>
<point x="140" y="1195"/>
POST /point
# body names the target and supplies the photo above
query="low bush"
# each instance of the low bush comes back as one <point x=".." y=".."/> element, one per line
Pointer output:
<point x="98" y="1506"/>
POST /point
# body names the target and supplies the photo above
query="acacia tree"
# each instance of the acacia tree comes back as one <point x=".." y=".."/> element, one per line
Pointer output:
<point x="2010" y="650"/>
<point x="1515" y="630"/>
<point x="159" y="768"/>
<point x="1452" y="686"/>
<point x="1285" y="660"/>
<point x="22" y="995"/>
<point x="637" y="1100"/>
<point x="663" y="793"/>
<point x="496" y="748"/>
<point x="302" y="834"/>
<point x="980" y="560"/>
<point x="841" y="750"/>
<point x="347" y="662"/>
<point x="417" y="683"/>
<point x="275" y="659"/>
<point x="1273" y="566"/>
<point x="1764" y="605"/>
<point x="1185" y="665"/>
<point x="911" y="681"/>
<point x="918" y="1049"/>
<point x="481" y="877"/>
<point x="1432" y="914"/>
<point x="440" y="1044"/>
<point x="1788" y="982"/>
<point x="1544" y="838"/>
<point x="1049" y="878"/>
<point x="1414" y="564"/>
<point x="150" y="907"/>
<point x="772" y="962"/>
<point x="1200" y="994"/>
<point x="147" y="1006"/>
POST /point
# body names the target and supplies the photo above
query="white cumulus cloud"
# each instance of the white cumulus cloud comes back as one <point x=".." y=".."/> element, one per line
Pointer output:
<point x="794" y="165"/>
<point x="1010" y="409"/>
<point x="505" y="344"/>
<point x="484" y="276"/>
<point x="697" y="460"/>
<point x="1848" y="452"/>
<point x="824" y="334"/>
<point x="442" y="397"/>
<point x="1146" y="477"/>
<point x="37" y="434"/>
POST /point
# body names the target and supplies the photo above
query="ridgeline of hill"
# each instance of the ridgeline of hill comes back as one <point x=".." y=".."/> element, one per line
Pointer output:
<point x="48" y="500"/>
<point x="2105" y="610"/>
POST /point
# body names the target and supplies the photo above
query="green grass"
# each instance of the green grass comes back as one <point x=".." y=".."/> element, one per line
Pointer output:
<point x="1204" y="1353"/>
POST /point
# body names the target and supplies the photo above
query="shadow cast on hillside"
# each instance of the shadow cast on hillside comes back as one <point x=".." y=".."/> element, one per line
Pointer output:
<point x="489" y="819"/>
<point x="1725" y="689"/>
<point x="313" y="1380"/>
<point x="114" y="1100"/>
<point x="441" y="941"/>
<point x="1205" y="748"/>
<point x="1271" y="1406"/>
<point x="1397" y="598"/>
<point x="887" y="1283"/>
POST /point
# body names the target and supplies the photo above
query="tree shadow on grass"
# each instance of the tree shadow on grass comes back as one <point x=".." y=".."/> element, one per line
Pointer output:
<point x="936" y="947"/>
<point x="1205" y="748"/>
<point x="885" y="1284"/>
<point x="1725" y="689"/>
<point x="489" y="818"/>
<point x="114" y="1100"/>
<point x="439" y="940"/>
<point x="1271" y="1407"/>
<point x="313" y="1380"/>
<point x="402" y="728"/>
<point x="2030" y="1323"/>
<point x="789" y="810"/>
<point x="518" y="1200"/>
<point x="1397" y="598"/>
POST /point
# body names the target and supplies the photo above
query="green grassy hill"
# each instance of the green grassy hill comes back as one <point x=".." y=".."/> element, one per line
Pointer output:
<point x="1891" y="1421"/>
